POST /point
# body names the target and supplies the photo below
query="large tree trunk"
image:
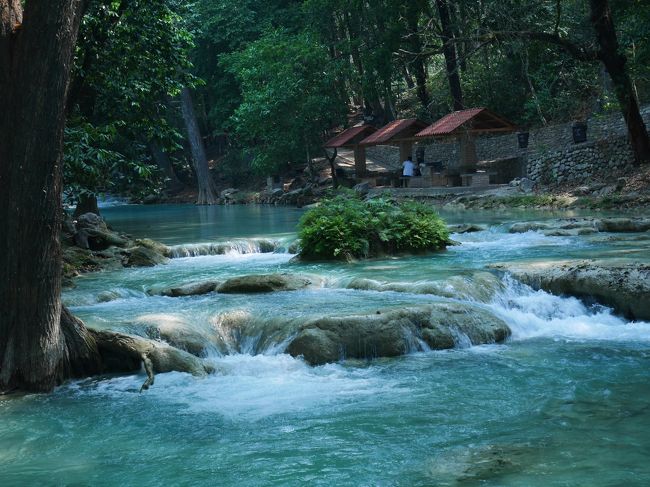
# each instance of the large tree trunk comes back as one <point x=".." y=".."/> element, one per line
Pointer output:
<point x="449" y="51"/>
<point x="35" y="61"/>
<point x="614" y="61"/>
<point x="207" y="190"/>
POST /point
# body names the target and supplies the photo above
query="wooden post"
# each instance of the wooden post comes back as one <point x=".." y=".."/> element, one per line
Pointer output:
<point x="359" y="161"/>
<point x="405" y="150"/>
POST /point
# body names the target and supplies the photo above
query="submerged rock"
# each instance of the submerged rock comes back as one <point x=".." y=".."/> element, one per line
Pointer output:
<point x="265" y="283"/>
<point x="623" y="225"/>
<point x="142" y="256"/>
<point x="622" y="285"/>
<point x="384" y="333"/>
<point x="176" y="332"/>
<point x="523" y="227"/>
<point x="125" y="353"/>
<point x="466" y="228"/>
<point x="191" y="289"/>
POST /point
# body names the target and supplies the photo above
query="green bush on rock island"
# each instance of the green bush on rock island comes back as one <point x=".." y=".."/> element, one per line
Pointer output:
<point x="347" y="227"/>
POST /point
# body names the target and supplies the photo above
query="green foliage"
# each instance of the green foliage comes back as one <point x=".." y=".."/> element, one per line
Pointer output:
<point x="132" y="57"/>
<point x="92" y="164"/>
<point x="88" y="159"/>
<point x="346" y="227"/>
<point x="288" y="98"/>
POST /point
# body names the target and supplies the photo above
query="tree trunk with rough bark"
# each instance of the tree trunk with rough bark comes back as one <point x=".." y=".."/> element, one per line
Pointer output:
<point x="331" y="158"/>
<point x="207" y="190"/>
<point x="449" y="51"/>
<point x="35" y="59"/>
<point x="614" y="60"/>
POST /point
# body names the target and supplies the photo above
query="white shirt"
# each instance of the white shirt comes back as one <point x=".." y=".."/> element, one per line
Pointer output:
<point x="408" y="168"/>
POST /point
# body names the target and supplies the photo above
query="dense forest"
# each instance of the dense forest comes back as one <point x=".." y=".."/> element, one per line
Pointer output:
<point x="157" y="84"/>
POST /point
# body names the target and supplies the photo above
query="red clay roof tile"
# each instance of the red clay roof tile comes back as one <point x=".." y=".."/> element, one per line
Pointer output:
<point x="481" y="119"/>
<point x="403" y="128"/>
<point x="348" y="135"/>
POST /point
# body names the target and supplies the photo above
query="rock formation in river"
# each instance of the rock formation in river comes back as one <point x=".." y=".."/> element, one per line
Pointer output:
<point x="384" y="333"/>
<point x="583" y="226"/>
<point x="390" y="333"/>
<point x="622" y="285"/>
<point x="90" y="245"/>
<point x="263" y="283"/>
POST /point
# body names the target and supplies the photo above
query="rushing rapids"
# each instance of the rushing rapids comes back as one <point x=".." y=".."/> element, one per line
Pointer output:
<point x="512" y="413"/>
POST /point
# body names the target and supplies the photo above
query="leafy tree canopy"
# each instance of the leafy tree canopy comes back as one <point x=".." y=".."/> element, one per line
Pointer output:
<point x="289" y="97"/>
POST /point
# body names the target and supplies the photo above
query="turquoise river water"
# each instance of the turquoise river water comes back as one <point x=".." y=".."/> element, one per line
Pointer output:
<point x="565" y="402"/>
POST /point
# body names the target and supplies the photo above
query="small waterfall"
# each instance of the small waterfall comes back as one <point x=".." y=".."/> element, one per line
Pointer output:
<point x="414" y="343"/>
<point x="461" y="340"/>
<point x="74" y="298"/>
<point x="479" y="287"/>
<point x="536" y="314"/>
<point x="237" y="247"/>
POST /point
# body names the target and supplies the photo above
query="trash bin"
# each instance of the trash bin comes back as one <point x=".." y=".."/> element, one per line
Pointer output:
<point x="579" y="132"/>
<point x="522" y="139"/>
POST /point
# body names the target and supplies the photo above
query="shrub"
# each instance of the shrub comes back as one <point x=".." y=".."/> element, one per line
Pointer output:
<point x="345" y="227"/>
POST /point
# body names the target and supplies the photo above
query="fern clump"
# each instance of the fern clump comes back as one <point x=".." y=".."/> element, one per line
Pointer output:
<point x="346" y="227"/>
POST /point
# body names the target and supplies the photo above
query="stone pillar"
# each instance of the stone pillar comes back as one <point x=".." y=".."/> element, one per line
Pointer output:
<point x="359" y="161"/>
<point x="467" y="158"/>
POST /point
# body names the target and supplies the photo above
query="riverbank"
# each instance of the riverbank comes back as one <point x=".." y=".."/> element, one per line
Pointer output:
<point x="628" y="191"/>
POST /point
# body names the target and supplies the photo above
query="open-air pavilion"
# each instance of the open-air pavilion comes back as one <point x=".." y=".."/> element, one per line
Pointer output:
<point x="400" y="133"/>
<point x="464" y="126"/>
<point x="350" y="139"/>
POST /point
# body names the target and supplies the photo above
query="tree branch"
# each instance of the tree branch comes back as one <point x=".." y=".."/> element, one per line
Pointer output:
<point x="577" y="51"/>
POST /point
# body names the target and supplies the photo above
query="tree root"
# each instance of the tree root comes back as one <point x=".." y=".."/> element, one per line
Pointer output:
<point x="125" y="353"/>
<point x="91" y="352"/>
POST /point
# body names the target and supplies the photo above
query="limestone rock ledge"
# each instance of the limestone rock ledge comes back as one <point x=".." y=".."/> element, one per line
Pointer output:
<point x="620" y="284"/>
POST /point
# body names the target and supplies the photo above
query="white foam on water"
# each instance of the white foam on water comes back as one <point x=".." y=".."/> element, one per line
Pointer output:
<point x="493" y="239"/>
<point x="75" y="298"/>
<point x="534" y="314"/>
<point x="247" y="387"/>
<point x="230" y="247"/>
<point x="234" y="257"/>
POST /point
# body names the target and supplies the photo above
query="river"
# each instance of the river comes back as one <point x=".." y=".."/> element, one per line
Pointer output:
<point x="565" y="401"/>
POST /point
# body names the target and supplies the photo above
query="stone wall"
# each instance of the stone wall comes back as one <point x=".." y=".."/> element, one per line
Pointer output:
<point x="580" y="163"/>
<point x="551" y="156"/>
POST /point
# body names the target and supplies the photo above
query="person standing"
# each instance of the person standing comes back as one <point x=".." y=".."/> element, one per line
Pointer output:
<point x="407" y="169"/>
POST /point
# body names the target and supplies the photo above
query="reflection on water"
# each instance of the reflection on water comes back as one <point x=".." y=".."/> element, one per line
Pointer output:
<point x="178" y="224"/>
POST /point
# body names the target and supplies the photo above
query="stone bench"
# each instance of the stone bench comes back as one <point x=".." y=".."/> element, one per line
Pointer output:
<point x="479" y="178"/>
